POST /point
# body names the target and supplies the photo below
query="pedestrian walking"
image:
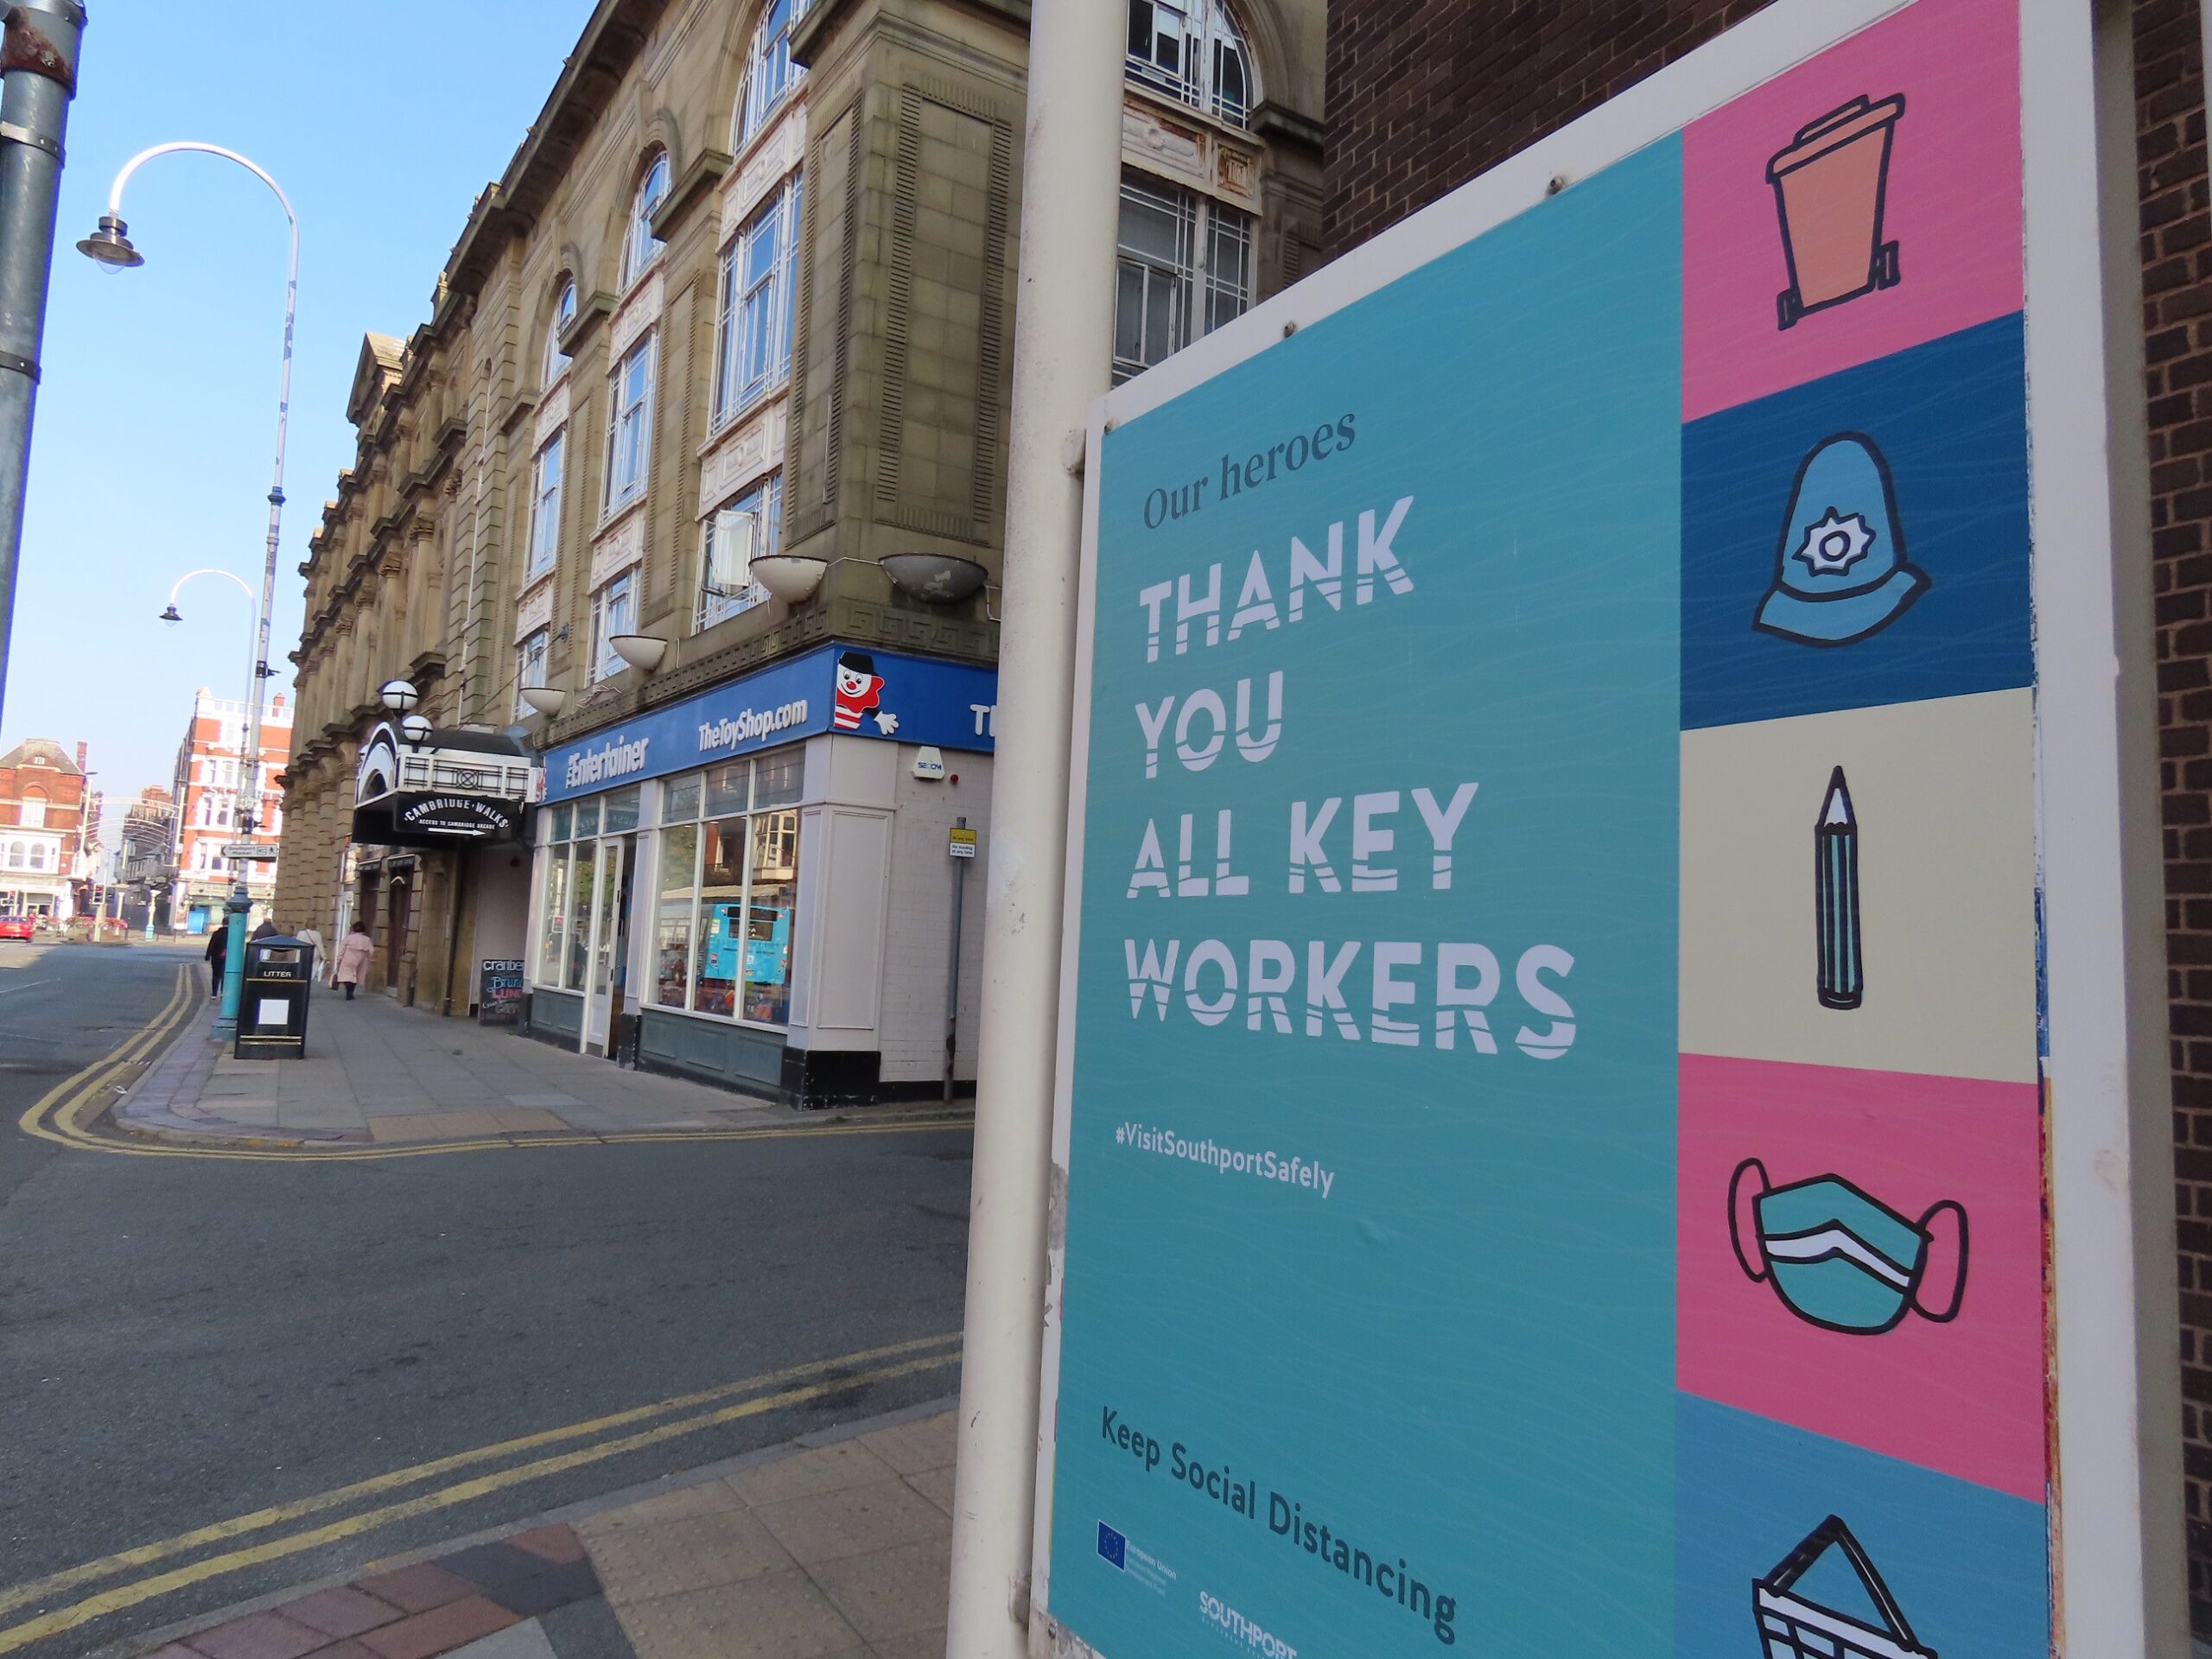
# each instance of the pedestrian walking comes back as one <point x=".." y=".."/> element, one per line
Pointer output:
<point x="312" y="939"/>
<point x="266" y="931"/>
<point x="353" y="956"/>
<point x="219" y="939"/>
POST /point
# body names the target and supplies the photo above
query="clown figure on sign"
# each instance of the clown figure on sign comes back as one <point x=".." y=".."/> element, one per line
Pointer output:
<point x="860" y="692"/>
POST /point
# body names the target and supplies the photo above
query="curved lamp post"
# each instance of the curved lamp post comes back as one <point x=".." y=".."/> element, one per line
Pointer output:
<point x="110" y="245"/>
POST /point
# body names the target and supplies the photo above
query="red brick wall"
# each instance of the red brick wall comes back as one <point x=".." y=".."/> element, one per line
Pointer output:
<point x="1425" y="94"/>
<point x="2177" y="344"/>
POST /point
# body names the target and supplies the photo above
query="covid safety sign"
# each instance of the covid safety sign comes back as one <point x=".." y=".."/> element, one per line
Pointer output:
<point x="1553" y="1090"/>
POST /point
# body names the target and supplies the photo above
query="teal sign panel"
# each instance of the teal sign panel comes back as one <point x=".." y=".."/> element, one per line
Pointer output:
<point x="1370" y="1331"/>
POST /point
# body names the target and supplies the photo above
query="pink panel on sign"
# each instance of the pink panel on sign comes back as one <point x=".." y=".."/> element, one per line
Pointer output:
<point x="1864" y="202"/>
<point x="1865" y="1180"/>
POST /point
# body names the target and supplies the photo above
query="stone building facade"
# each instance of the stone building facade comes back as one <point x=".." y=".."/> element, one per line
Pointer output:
<point x="1478" y="86"/>
<point x="733" y="328"/>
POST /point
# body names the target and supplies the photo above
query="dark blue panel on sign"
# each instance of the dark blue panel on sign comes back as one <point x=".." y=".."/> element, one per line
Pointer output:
<point x="1790" y="1543"/>
<point x="1861" y="540"/>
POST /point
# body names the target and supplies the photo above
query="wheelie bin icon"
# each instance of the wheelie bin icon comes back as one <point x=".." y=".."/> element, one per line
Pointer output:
<point x="1829" y="186"/>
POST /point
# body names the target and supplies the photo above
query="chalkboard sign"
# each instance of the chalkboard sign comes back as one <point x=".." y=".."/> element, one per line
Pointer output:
<point x="499" y="1001"/>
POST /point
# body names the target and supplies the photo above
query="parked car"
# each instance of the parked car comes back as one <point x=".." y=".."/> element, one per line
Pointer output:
<point x="15" y="927"/>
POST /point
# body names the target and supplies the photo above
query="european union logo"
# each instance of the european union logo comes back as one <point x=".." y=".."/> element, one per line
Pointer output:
<point x="1113" y="1547"/>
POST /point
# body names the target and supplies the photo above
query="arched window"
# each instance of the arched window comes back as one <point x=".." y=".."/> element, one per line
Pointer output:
<point x="18" y="853"/>
<point x="769" y="71"/>
<point x="1194" y="50"/>
<point x="640" y="247"/>
<point x="38" y="856"/>
<point x="564" y="312"/>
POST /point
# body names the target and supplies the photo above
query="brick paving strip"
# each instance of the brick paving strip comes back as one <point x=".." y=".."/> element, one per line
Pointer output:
<point x="379" y="1075"/>
<point x="836" y="1546"/>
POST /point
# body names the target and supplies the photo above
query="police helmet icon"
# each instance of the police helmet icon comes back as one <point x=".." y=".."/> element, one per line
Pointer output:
<point x="1841" y="570"/>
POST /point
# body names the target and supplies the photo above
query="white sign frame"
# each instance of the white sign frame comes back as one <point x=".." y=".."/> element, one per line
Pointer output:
<point x="2121" y="1580"/>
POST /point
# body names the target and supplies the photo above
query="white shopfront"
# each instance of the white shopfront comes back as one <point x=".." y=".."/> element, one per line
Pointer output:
<point x="777" y="921"/>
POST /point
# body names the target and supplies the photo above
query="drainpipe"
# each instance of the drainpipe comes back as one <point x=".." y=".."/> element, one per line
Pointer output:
<point x="38" y="54"/>
<point x="1062" y="360"/>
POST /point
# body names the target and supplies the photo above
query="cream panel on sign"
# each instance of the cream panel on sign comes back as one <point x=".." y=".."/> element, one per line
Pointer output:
<point x="777" y="152"/>
<point x="742" y="453"/>
<point x="552" y="413"/>
<point x="1933" y="830"/>
<point x="637" y="313"/>
<point x="621" y="547"/>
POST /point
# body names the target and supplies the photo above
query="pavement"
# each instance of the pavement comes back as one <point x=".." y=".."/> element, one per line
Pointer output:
<point x="835" y="1546"/>
<point x="228" y="1370"/>
<point x="379" y="1075"/>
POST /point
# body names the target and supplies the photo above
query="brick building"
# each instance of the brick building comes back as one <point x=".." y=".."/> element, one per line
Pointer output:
<point x="1426" y="94"/>
<point x="204" y="794"/>
<point x="697" y="474"/>
<point x="44" y="831"/>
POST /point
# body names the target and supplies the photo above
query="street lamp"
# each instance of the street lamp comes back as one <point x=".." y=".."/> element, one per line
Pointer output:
<point x="111" y="247"/>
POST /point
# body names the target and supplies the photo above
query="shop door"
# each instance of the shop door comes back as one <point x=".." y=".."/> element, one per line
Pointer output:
<point x="610" y="942"/>
<point x="395" y="937"/>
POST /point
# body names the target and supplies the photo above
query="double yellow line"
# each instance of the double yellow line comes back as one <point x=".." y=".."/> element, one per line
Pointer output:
<point x="611" y="1436"/>
<point x="58" y="1115"/>
<point x="62" y="1116"/>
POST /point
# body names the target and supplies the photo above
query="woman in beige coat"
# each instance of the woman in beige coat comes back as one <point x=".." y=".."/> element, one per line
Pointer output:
<point x="353" y="959"/>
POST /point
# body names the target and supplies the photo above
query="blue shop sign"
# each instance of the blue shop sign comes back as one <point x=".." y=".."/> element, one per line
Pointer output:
<point x="841" y="689"/>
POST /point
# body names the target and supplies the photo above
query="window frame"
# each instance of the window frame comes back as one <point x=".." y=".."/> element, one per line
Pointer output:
<point x="1202" y="301"/>
<point x="564" y="314"/>
<point x="746" y="821"/>
<point x="625" y="415"/>
<point x="1212" y="28"/>
<point x="526" y="658"/>
<point x="724" y="602"/>
<point x="544" y="550"/>
<point x="606" y="662"/>
<point x="641" y="249"/>
<point x="767" y="64"/>
<point x="744" y="300"/>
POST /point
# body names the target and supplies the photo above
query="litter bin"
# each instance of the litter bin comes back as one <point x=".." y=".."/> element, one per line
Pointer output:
<point x="273" y="998"/>
<point x="1829" y="186"/>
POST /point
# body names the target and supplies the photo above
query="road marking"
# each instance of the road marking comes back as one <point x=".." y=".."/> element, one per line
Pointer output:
<point x="10" y="990"/>
<point x="125" y="1596"/>
<point x="300" y="1508"/>
<point x="59" y="1116"/>
<point x="89" y="1079"/>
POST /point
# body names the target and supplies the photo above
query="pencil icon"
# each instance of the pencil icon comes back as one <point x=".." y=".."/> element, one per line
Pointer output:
<point x="1835" y="872"/>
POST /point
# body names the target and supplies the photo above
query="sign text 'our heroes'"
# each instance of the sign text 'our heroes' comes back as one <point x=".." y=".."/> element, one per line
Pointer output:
<point x="1415" y="994"/>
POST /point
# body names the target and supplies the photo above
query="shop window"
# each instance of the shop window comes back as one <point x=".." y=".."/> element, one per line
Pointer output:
<point x="1184" y="269"/>
<point x="582" y="886"/>
<point x="742" y="530"/>
<point x="769" y="71"/>
<point x="530" y="667"/>
<point x="587" y="818"/>
<point x="760" y="278"/>
<point x="614" y="613"/>
<point x="640" y="247"/>
<point x="564" y="314"/>
<point x="724" y="929"/>
<point x="546" y="507"/>
<point x="679" y="894"/>
<point x="630" y="422"/>
<point x="619" y="810"/>
<point x="1194" y="51"/>
<point x="553" y="927"/>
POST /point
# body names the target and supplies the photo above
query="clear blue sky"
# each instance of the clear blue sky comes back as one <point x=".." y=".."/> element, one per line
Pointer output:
<point x="156" y="417"/>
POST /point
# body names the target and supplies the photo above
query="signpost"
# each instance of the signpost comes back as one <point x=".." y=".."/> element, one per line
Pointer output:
<point x="1554" y="1078"/>
<point x="250" y="852"/>
<point x="500" y="989"/>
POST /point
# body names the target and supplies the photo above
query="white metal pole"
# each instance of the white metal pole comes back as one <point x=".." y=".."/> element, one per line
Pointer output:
<point x="1063" y="359"/>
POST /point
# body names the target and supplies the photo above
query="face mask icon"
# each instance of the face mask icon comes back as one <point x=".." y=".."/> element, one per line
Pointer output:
<point x="1842" y="1260"/>
<point x="1800" y="1604"/>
